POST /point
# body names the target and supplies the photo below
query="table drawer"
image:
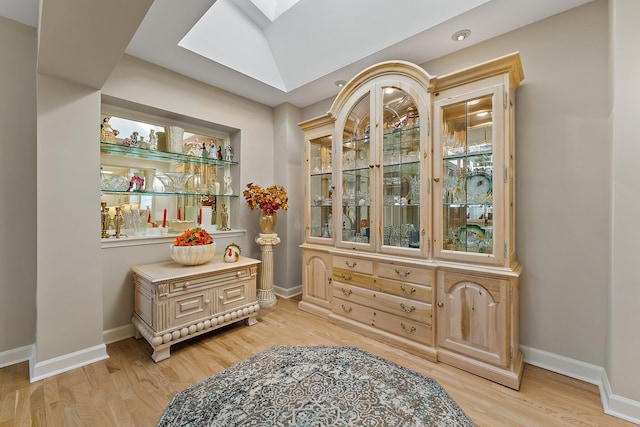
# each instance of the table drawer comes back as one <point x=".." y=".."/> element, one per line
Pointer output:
<point x="408" y="274"/>
<point x="355" y="265"/>
<point x="404" y="307"/>
<point x="188" y="308"/>
<point x="188" y="283"/>
<point x="399" y="326"/>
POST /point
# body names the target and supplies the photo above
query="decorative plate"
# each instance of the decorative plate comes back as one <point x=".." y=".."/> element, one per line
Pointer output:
<point x="478" y="185"/>
<point x="471" y="235"/>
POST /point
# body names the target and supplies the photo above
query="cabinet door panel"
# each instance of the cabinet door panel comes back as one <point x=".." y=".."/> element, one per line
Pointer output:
<point x="316" y="277"/>
<point x="468" y="169"/>
<point x="320" y="187"/>
<point x="187" y="308"/>
<point x="473" y="317"/>
<point x="234" y="295"/>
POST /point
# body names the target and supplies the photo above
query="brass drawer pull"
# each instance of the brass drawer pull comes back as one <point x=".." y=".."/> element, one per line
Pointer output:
<point x="402" y="274"/>
<point x="409" y="310"/>
<point x="347" y="291"/>
<point x="405" y="290"/>
<point x="351" y="265"/>
<point x="345" y="277"/>
<point x="409" y="330"/>
<point x="346" y="309"/>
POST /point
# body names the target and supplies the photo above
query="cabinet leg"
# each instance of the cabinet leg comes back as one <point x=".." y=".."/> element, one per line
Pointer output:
<point x="137" y="334"/>
<point x="160" y="354"/>
<point x="250" y="321"/>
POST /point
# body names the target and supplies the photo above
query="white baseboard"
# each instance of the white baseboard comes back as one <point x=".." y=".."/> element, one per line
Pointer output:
<point x="287" y="293"/>
<point x="118" y="334"/>
<point x="617" y="406"/>
<point x="16" y="355"/>
<point x="57" y="365"/>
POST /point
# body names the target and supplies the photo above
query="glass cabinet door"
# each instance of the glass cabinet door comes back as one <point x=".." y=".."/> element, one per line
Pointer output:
<point x="469" y="159"/>
<point x="400" y="169"/>
<point x="320" y="187"/>
<point x="356" y="174"/>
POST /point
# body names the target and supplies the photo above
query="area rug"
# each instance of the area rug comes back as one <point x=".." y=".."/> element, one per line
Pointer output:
<point x="314" y="386"/>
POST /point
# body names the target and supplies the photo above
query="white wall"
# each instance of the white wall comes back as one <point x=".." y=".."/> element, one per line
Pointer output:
<point x="17" y="187"/>
<point x="289" y="168"/>
<point x="624" y="343"/>
<point x="69" y="291"/>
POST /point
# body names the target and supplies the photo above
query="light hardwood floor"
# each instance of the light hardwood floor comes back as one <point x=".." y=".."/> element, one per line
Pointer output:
<point x="129" y="389"/>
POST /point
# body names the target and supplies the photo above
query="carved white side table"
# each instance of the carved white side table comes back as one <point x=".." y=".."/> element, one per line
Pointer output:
<point x="174" y="302"/>
<point x="266" y="297"/>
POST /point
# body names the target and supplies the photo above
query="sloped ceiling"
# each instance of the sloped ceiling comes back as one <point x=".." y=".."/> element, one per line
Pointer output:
<point x="275" y="51"/>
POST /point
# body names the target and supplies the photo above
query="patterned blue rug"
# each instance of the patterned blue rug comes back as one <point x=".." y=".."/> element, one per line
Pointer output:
<point x="314" y="386"/>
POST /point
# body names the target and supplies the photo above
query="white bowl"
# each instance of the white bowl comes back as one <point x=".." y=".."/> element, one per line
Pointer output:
<point x="180" y="226"/>
<point x="192" y="255"/>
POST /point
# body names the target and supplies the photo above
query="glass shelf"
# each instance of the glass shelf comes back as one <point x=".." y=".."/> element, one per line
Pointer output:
<point x="164" y="193"/>
<point x="165" y="156"/>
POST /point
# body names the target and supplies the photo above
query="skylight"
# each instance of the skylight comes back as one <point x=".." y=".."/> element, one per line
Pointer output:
<point x="272" y="9"/>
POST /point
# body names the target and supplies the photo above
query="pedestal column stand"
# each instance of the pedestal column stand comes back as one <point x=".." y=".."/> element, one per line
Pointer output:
<point x="266" y="297"/>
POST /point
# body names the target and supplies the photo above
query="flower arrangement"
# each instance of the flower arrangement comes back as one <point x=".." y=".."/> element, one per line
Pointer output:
<point x="269" y="199"/>
<point x="136" y="183"/>
<point x="193" y="237"/>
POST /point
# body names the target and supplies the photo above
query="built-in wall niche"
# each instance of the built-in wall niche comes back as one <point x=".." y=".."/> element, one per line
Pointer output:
<point x="176" y="171"/>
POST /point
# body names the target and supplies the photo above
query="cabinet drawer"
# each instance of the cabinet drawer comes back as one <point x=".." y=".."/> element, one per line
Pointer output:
<point x="408" y="274"/>
<point x="209" y="280"/>
<point x="188" y="308"/>
<point x="355" y="265"/>
<point x="344" y="276"/>
<point x="399" y="326"/>
<point x="404" y="307"/>
<point x="404" y="289"/>
<point x="234" y="295"/>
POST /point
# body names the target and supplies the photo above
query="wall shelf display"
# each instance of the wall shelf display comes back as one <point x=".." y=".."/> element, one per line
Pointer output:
<point x="180" y="178"/>
<point x="410" y="213"/>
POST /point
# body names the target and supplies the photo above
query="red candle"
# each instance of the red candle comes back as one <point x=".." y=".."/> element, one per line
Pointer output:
<point x="164" y="218"/>
<point x="200" y="217"/>
<point x="179" y="216"/>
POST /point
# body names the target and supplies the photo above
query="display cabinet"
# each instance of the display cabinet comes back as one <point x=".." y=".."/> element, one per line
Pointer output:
<point x="173" y="178"/>
<point x="382" y="204"/>
<point x="319" y="187"/>
<point x="411" y="208"/>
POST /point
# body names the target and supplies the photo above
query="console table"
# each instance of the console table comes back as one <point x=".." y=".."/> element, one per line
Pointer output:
<point x="174" y="302"/>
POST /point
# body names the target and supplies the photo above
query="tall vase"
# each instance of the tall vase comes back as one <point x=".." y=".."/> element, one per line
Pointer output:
<point x="268" y="223"/>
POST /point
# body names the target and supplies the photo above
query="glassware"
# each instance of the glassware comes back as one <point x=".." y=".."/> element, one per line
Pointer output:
<point x="179" y="180"/>
<point x="166" y="182"/>
<point x="139" y="218"/>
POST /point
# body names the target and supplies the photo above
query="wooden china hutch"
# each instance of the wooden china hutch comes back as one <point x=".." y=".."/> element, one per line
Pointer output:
<point x="410" y="213"/>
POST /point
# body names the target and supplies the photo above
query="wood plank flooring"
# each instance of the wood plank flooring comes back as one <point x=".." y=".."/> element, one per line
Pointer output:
<point x="129" y="389"/>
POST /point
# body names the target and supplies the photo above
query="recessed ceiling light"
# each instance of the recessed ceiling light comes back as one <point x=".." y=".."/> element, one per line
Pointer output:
<point x="458" y="36"/>
<point x="340" y="83"/>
